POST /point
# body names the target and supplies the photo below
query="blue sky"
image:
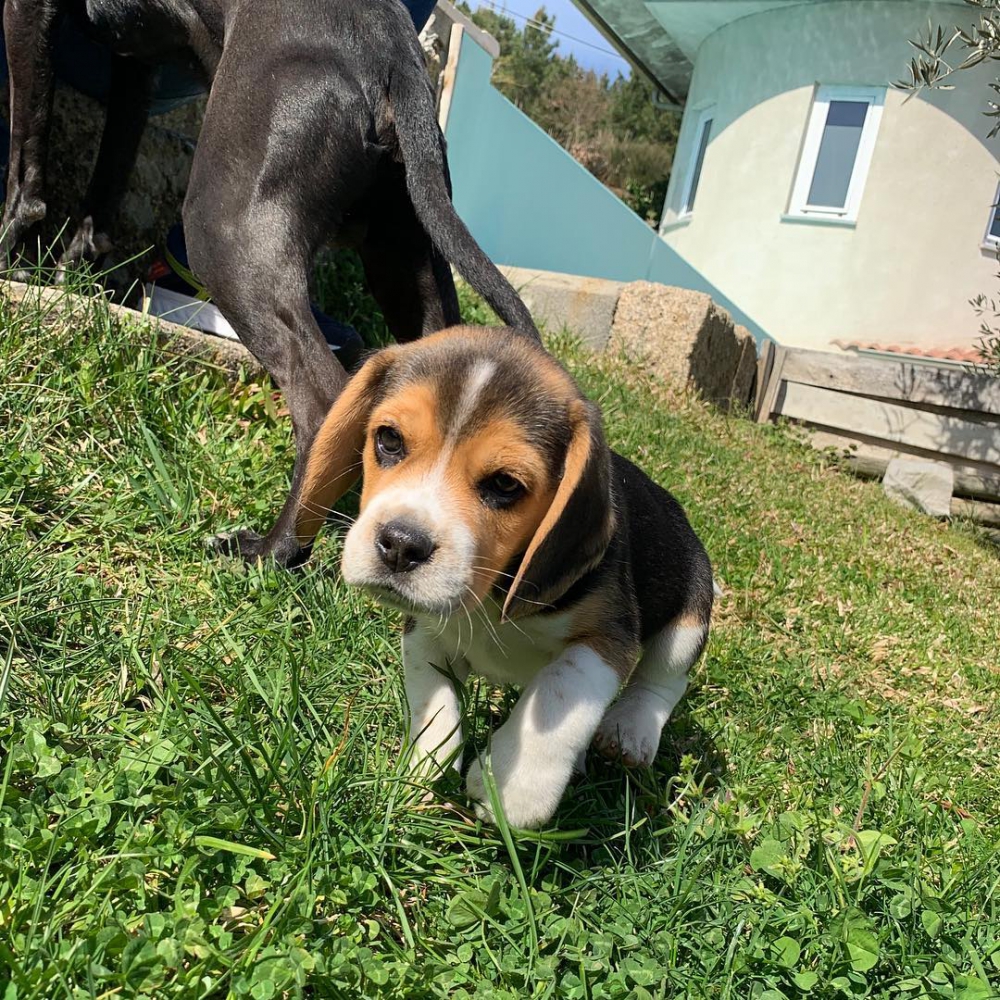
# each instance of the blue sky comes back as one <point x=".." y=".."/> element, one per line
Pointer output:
<point x="571" y="21"/>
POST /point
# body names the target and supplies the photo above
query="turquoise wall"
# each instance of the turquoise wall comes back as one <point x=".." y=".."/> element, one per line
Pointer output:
<point x="530" y="204"/>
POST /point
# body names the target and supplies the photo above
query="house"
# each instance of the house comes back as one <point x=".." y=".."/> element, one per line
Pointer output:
<point x="822" y="201"/>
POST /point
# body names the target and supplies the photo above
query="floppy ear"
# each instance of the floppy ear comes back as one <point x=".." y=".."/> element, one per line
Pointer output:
<point x="334" y="462"/>
<point x="575" y="531"/>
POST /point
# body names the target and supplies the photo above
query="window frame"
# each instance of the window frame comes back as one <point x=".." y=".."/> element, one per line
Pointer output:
<point x="805" y="172"/>
<point x="989" y="240"/>
<point x="706" y="116"/>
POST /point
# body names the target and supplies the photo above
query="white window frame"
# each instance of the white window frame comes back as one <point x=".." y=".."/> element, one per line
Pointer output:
<point x="990" y="241"/>
<point x="874" y="97"/>
<point x="686" y="209"/>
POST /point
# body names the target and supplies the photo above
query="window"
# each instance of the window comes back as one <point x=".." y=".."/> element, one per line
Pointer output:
<point x="993" y="229"/>
<point x="703" y="134"/>
<point x="837" y="152"/>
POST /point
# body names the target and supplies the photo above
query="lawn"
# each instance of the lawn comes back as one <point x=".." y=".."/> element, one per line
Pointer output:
<point x="199" y="790"/>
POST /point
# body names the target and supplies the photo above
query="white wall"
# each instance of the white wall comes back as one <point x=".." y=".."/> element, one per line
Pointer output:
<point x="905" y="272"/>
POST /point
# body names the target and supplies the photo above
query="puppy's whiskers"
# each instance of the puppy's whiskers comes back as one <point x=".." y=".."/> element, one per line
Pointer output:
<point x="482" y="612"/>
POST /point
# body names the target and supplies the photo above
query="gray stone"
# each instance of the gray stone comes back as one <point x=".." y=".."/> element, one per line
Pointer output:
<point x="685" y="338"/>
<point x="920" y="484"/>
<point x="586" y="306"/>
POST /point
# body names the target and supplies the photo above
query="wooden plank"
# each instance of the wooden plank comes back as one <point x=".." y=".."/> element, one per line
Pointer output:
<point x="890" y="422"/>
<point x="764" y="365"/>
<point x="981" y="513"/>
<point x="869" y="459"/>
<point x="938" y="385"/>
<point x="773" y="384"/>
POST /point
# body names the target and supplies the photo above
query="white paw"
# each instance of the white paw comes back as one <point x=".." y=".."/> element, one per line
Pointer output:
<point x="475" y="786"/>
<point x="528" y="797"/>
<point x="629" y="734"/>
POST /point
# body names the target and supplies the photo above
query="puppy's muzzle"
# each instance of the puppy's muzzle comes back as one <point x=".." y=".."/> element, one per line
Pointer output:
<point x="403" y="547"/>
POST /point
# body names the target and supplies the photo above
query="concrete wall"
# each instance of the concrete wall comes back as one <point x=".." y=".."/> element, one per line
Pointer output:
<point x="531" y="205"/>
<point x="905" y="272"/>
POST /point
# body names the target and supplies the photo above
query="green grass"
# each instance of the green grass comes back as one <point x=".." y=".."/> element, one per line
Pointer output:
<point x="199" y="788"/>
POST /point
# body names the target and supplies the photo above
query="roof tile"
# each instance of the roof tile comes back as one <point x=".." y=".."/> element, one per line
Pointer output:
<point x="967" y="355"/>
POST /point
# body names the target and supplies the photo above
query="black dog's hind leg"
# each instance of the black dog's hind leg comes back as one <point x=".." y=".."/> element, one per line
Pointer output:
<point x="28" y="27"/>
<point x="262" y="197"/>
<point x="409" y="279"/>
<point x="128" y="108"/>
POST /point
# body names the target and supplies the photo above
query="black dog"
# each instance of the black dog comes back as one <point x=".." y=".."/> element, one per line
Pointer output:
<point x="320" y="127"/>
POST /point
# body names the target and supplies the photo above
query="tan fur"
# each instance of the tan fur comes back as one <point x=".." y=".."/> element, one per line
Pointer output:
<point x="690" y="619"/>
<point x="576" y="461"/>
<point x="413" y="413"/>
<point x="334" y="461"/>
<point x="592" y="624"/>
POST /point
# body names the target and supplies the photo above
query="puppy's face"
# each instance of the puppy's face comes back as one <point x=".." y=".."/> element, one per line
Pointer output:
<point x="455" y="485"/>
<point x="483" y="468"/>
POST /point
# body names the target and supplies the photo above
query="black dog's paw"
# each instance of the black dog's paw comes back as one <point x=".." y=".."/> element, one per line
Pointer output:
<point x="250" y="547"/>
<point x="240" y="544"/>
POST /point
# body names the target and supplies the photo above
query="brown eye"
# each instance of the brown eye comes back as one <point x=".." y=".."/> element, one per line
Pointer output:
<point x="501" y="490"/>
<point x="389" y="445"/>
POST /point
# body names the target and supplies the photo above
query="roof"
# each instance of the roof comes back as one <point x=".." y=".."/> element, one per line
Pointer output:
<point x="660" y="38"/>
<point x="963" y="355"/>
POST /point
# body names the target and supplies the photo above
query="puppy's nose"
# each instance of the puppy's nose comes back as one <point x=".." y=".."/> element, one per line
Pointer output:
<point x="403" y="547"/>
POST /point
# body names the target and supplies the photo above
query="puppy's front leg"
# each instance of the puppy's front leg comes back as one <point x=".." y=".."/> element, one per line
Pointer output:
<point x="435" y="712"/>
<point x="534" y="751"/>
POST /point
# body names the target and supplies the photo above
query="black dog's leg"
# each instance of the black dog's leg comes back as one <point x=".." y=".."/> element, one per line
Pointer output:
<point x="28" y="27"/>
<point x="262" y="196"/>
<point x="409" y="279"/>
<point x="128" y="107"/>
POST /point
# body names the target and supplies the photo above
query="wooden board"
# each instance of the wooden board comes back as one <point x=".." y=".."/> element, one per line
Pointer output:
<point x="890" y="422"/>
<point x="868" y="458"/>
<point x="943" y="386"/>
<point x="982" y="513"/>
<point x="772" y="383"/>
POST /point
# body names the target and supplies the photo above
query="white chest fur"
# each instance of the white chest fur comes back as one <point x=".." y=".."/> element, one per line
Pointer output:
<point x="509" y="653"/>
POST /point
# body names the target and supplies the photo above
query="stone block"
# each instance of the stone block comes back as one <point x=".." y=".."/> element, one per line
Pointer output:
<point x="920" y="484"/>
<point x="586" y="306"/>
<point x="686" y="339"/>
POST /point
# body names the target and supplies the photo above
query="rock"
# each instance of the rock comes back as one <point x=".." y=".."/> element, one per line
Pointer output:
<point x="156" y="189"/>
<point x="920" y="484"/>
<point x="586" y="306"/>
<point x="685" y="338"/>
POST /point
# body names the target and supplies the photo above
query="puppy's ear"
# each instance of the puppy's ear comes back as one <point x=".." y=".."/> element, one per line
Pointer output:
<point x="575" y="531"/>
<point x="335" y="462"/>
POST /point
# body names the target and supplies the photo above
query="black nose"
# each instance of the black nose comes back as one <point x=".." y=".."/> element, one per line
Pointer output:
<point x="403" y="547"/>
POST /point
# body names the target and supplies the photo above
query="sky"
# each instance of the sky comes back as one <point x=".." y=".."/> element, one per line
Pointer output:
<point x="588" y="46"/>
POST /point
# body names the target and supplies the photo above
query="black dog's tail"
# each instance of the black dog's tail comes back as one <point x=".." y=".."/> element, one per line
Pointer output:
<point x="429" y="187"/>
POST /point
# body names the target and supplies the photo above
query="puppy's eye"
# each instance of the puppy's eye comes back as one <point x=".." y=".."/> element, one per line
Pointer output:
<point x="501" y="490"/>
<point x="389" y="445"/>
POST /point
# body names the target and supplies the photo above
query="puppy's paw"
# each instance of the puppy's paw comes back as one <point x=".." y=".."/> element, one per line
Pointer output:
<point x="529" y="797"/>
<point x="628" y="734"/>
<point x="475" y="787"/>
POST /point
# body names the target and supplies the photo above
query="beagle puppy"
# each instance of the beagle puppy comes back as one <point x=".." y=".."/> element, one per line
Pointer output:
<point x="494" y="515"/>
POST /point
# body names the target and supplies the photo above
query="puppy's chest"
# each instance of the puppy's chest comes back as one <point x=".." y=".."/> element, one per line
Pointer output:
<point x="511" y="653"/>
